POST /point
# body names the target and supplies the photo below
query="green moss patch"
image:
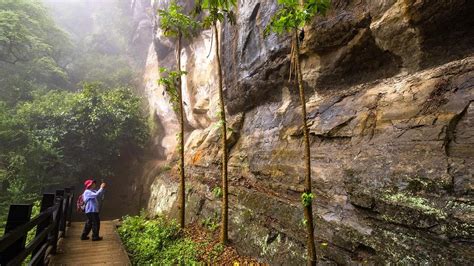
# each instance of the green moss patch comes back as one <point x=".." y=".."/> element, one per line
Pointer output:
<point x="415" y="202"/>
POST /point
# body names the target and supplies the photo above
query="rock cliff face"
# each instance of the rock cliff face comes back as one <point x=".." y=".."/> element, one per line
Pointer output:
<point x="390" y="87"/>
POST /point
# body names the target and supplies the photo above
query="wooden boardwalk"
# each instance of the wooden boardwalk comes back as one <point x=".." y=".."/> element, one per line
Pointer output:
<point x="74" y="251"/>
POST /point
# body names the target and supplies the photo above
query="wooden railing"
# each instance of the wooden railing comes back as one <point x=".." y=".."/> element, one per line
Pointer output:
<point x="55" y="216"/>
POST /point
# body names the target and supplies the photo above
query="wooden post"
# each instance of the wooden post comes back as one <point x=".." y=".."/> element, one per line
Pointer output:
<point x="57" y="219"/>
<point x="67" y="205"/>
<point x="71" y="207"/>
<point x="46" y="202"/>
<point x="60" y="193"/>
<point x="18" y="215"/>
<point x="63" y="206"/>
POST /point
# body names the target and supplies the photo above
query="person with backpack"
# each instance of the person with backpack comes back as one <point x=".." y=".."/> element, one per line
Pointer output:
<point x="90" y="205"/>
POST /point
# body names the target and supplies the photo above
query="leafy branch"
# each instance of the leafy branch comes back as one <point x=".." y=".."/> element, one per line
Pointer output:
<point x="176" y="24"/>
<point x="169" y="81"/>
<point x="307" y="199"/>
<point x="292" y="15"/>
<point x="217" y="10"/>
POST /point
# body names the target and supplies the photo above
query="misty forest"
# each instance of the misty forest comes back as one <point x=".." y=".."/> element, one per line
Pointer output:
<point x="234" y="132"/>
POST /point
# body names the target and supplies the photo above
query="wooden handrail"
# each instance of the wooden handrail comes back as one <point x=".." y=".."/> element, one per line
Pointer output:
<point x="51" y="225"/>
<point x="29" y="249"/>
<point x="11" y="237"/>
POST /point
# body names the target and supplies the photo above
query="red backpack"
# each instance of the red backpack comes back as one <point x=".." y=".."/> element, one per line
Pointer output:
<point x="81" y="204"/>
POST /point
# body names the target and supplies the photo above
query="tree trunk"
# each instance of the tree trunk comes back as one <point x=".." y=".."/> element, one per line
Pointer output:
<point x="182" y="185"/>
<point x="225" y="204"/>
<point x="308" y="210"/>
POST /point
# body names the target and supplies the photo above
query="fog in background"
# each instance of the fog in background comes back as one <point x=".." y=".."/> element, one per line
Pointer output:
<point x="69" y="74"/>
<point x="100" y="32"/>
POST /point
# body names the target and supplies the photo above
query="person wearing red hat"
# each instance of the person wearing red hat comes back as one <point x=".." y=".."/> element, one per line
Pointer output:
<point x="91" y="199"/>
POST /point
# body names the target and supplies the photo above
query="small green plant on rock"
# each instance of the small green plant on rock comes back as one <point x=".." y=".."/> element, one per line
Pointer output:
<point x="304" y="222"/>
<point x="217" y="192"/>
<point x="166" y="168"/>
<point x="307" y="199"/>
<point x="211" y="223"/>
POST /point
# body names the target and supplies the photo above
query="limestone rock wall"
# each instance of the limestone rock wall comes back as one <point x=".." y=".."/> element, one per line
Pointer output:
<point x="390" y="88"/>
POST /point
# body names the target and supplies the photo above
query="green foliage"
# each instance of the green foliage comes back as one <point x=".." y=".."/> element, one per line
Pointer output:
<point x="158" y="241"/>
<point x="291" y="15"/>
<point x="307" y="198"/>
<point x="212" y="222"/>
<point x="217" y="192"/>
<point x="218" y="124"/>
<point x="91" y="128"/>
<point x="31" y="49"/>
<point x="60" y="136"/>
<point x="217" y="11"/>
<point x="169" y="80"/>
<point x="26" y="31"/>
<point x="51" y="136"/>
<point x="24" y="159"/>
<point x="215" y="252"/>
<point x="175" y="23"/>
<point x="36" y="54"/>
<point x="110" y="70"/>
<point x="304" y="222"/>
<point x="31" y="234"/>
<point x="166" y="168"/>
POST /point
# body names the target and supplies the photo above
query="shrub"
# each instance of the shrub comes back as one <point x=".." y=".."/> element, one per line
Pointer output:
<point x="159" y="241"/>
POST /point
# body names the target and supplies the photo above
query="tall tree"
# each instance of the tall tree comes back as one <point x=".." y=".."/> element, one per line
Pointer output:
<point x="27" y="32"/>
<point x="291" y="18"/>
<point x="176" y="24"/>
<point x="60" y="136"/>
<point x="31" y="50"/>
<point x="217" y="11"/>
